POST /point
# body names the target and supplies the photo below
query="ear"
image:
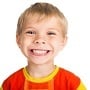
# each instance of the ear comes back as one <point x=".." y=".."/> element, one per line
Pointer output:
<point x="18" y="40"/>
<point x="64" y="42"/>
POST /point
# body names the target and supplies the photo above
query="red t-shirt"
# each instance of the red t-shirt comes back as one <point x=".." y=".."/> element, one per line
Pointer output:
<point x="59" y="79"/>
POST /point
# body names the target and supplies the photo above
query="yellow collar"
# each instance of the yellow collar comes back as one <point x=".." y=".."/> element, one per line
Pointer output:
<point x="40" y="80"/>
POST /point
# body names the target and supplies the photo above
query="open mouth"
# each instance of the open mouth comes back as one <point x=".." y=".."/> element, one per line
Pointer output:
<point x="39" y="52"/>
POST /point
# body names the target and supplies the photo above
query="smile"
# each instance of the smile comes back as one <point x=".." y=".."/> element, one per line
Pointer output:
<point x="39" y="52"/>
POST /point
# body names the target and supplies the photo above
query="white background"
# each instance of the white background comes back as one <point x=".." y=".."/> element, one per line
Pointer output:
<point x="76" y="55"/>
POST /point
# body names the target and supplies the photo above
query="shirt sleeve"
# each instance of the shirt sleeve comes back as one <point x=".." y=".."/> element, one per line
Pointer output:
<point x="81" y="87"/>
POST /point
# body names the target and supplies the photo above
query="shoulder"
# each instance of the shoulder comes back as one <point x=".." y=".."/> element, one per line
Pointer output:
<point x="15" y="78"/>
<point x="68" y="74"/>
<point x="67" y="78"/>
<point x="62" y="72"/>
<point x="16" y="74"/>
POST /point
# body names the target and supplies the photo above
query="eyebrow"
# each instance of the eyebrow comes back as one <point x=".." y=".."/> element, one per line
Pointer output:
<point x="54" y="29"/>
<point x="51" y="28"/>
<point x="29" y="28"/>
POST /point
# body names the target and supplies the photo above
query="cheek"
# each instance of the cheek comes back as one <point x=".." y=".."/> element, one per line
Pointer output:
<point x="22" y="43"/>
<point x="23" y="47"/>
<point x="25" y="40"/>
<point x="58" y="44"/>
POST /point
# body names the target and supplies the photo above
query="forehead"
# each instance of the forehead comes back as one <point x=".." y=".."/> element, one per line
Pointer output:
<point x="50" y="21"/>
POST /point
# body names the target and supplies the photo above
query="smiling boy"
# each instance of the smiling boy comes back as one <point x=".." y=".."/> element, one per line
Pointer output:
<point x="41" y="35"/>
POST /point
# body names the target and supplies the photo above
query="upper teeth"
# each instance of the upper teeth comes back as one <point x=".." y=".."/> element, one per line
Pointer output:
<point x="39" y="51"/>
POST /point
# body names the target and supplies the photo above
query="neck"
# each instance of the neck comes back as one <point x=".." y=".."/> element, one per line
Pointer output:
<point x="39" y="71"/>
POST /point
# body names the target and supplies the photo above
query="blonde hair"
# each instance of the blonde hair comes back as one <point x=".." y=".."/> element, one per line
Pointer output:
<point x="42" y="11"/>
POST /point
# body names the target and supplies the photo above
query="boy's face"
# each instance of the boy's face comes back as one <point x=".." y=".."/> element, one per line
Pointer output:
<point x="41" y="41"/>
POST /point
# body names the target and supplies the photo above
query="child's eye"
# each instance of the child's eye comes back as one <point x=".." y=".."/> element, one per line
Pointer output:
<point x="31" y="32"/>
<point x="51" y="33"/>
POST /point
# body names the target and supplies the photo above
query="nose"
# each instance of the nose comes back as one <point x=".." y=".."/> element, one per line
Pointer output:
<point x="39" y="40"/>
